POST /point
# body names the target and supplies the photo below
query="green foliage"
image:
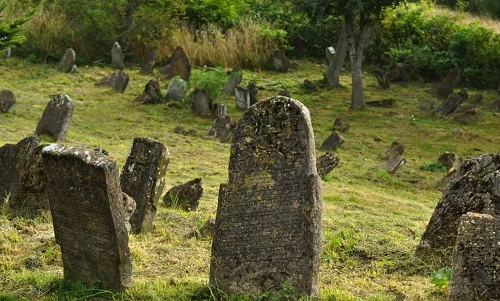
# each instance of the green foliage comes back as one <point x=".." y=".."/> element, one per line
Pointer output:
<point x="434" y="167"/>
<point x="441" y="279"/>
<point x="210" y="81"/>
<point x="220" y="13"/>
<point x="11" y="30"/>
<point x="340" y="245"/>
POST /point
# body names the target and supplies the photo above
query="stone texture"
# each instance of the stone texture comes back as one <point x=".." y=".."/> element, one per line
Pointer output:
<point x="56" y="118"/>
<point x="449" y="160"/>
<point x="149" y="62"/>
<point x="222" y="129"/>
<point x="327" y="163"/>
<point x="393" y="164"/>
<point x="280" y="62"/>
<point x="151" y="94"/>
<point x="475" y="188"/>
<point x="177" y="89"/>
<point x="476" y="259"/>
<point x="235" y="78"/>
<point x="117" y="82"/>
<point x="382" y="81"/>
<point x="186" y="196"/>
<point x="178" y="65"/>
<point x="7" y="100"/>
<point x="449" y="105"/>
<point x="201" y="103"/>
<point x="67" y="61"/>
<point x="329" y="55"/>
<point x="117" y="57"/>
<point x="448" y="84"/>
<point x="333" y="142"/>
<point x="396" y="148"/>
<point x="87" y="210"/>
<point x="219" y="110"/>
<point x="143" y="179"/>
<point x="340" y="126"/>
<point x="242" y="97"/>
<point x="269" y="212"/>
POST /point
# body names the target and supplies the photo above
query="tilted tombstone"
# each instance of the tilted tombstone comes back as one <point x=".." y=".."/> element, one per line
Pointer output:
<point x="327" y="163"/>
<point x="476" y="259"/>
<point x="121" y="82"/>
<point x="449" y="160"/>
<point x="329" y="55"/>
<point x="280" y="62"/>
<point x="201" y="103"/>
<point x="448" y="84"/>
<point x="88" y="214"/>
<point x="474" y="188"/>
<point x="396" y="148"/>
<point x="177" y="89"/>
<point x="67" y="61"/>
<point x="449" y="106"/>
<point x="393" y="164"/>
<point x="222" y="129"/>
<point x="7" y="100"/>
<point x="149" y="62"/>
<point x="381" y="79"/>
<point x="117" y="57"/>
<point x="219" y="110"/>
<point x="186" y="196"/>
<point x="178" y="65"/>
<point x="151" y="94"/>
<point x="384" y="103"/>
<point x="269" y="213"/>
<point x="56" y="118"/>
<point x="143" y="179"/>
<point x="235" y="78"/>
<point x="108" y="81"/>
<point x="332" y="142"/>
<point x="340" y="125"/>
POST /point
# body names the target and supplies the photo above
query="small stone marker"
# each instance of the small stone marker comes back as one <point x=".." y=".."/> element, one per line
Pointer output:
<point x="149" y="62"/>
<point x="151" y="94"/>
<point x="327" y="163"/>
<point x="393" y="164"/>
<point x="235" y="78"/>
<point x="219" y="110"/>
<point x="384" y="103"/>
<point x="143" y="179"/>
<point x="56" y="118"/>
<point x="396" y="148"/>
<point x="269" y="212"/>
<point x="448" y="84"/>
<point x="329" y="55"/>
<point x="333" y="142"/>
<point x="449" y="160"/>
<point x="473" y="189"/>
<point x="382" y="81"/>
<point x="222" y="129"/>
<point x="186" y="196"/>
<point x="201" y="103"/>
<point x="67" y="61"/>
<point x="280" y="62"/>
<point x="443" y="183"/>
<point x="7" y="100"/>
<point x="88" y="216"/>
<point x="178" y="65"/>
<point x="177" y="89"/>
<point x="121" y="82"/>
<point x="129" y="206"/>
<point x="449" y="105"/>
<point x="242" y="97"/>
<point x="340" y="125"/>
<point x="117" y="57"/>
<point x="476" y="259"/>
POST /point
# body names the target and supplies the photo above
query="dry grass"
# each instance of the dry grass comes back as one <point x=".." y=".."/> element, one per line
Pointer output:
<point x="463" y="18"/>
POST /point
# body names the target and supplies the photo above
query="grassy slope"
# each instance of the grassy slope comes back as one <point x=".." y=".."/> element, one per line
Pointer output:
<point x="372" y="221"/>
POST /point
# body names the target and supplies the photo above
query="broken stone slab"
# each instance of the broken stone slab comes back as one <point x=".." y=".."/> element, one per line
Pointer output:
<point x="333" y="142"/>
<point x="67" y="61"/>
<point x="384" y="103"/>
<point x="396" y="148"/>
<point x="447" y="86"/>
<point x="235" y="78"/>
<point x="382" y="81"/>
<point x="449" y="105"/>
<point x="151" y="94"/>
<point x="117" y="82"/>
<point x="7" y="100"/>
<point x="178" y="65"/>
<point x="177" y="89"/>
<point x="186" y="196"/>
<point x="149" y="62"/>
<point x="222" y="129"/>
<point x="449" y="160"/>
<point x="88" y="214"/>
<point x="340" y="126"/>
<point x="117" y="57"/>
<point x="56" y="118"/>
<point x="326" y="163"/>
<point x="242" y="97"/>
<point x="281" y="63"/>
<point x="201" y="103"/>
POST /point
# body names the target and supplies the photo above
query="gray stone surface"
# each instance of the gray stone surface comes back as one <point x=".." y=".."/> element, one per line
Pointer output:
<point x="222" y="129"/>
<point x="449" y="160"/>
<point x="177" y="89"/>
<point x="280" y="62"/>
<point x="149" y="62"/>
<point x="143" y="179"/>
<point x="235" y="78"/>
<point x="178" y="65"/>
<point x="117" y="57"/>
<point x="67" y="61"/>
<point x="396" y="148"/>
<point x="121" y="82"/>
<point x="151" y="94"/>
<point x="326" y="163"/>
<point x="219" y="110"/>
<point x="382" y="81"/>
<point x="186" y="196"/>
<point x="340" y="125"/>
<point x="449" y="106"/>
<point x="332" y="142"/>
<point x="201" y="103"/>
<point x="7" y="100"/>
<point x="87" y="210"/>
<point x="269" y="212"/>
<point x="56" y="118"/>
<point x="448" y="84"/>
<point x="476" y="259"/>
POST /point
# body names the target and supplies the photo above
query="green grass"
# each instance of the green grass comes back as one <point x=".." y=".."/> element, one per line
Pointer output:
<point x="372" y="221"/>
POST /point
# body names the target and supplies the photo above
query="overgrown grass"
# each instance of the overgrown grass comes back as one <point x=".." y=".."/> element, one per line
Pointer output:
<point x="372" y="221"/>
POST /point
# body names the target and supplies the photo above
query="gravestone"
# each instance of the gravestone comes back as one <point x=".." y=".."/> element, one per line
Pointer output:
<point x="449" y="160"/>
<point x="222" y="129"/>
<point x="476" y="259"/>
<point x="74" y="69"/>
<point x="186" y="196"/>
<point x="56" y="118"/>
<point x="149" y="62"/>
<point x="242" y="97"/>
<point x="495" y="105"/>
<point x="67" y="61"/>
<point x="87" y="210"/>
<point x="269" y="212"/>
<point x="253" y="90"/>
<point x="340" y="125"/>
<point x="396" y="148"/>
<point x="327" y="163"/>
<point x="393" y="164"/>
<point x="177" y="89"/>
<point x="121" y="82"/>
<point x="443" y="183"/>
<point x="280" y="62"/>
<point x="12" y="160"/>
<point x="219" y="110"/>
<point x="235" y="78"/>
<point x="475" y="188"/>
<point x="151" y="94"/>
<point x="7" y="100"/>
<point x="448" y="84"/>
<point x="381" y="79"/>
<point x="28" y="196"/>
<point x="329" y="55"/>
<point x="449" y="105"/>
<point x="201" y="103"/>
<point x="331" y="143"/>
<point x="117" y="57"/>
<point x="384" y="103"/>
<point x="129" y="206"/>
<point x="178" y="65"/>
<point x="299" y="46"/>
<point x="143" y="179"/>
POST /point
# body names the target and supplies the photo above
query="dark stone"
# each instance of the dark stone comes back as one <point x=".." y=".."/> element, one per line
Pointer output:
<point x="149" y="62"/>
<point x="242" y="97"/>
<point x="67" y="61"/>
<point x="143" y="179"/>
<point x="151" y="94"/>
<point x="269" y="212"/>
<point x="384" y="103"/>
<point x="396" y="148"/>
<point x="280" y="62"/>
<point x="299" y="46"/>
<point x="382" y="81"/>
<point x="475" y="188"/>
<point x="331" y="143"/>
<point x="329" y="55"/>
<point x="129" y="206"/>
<point x="253" y="90"/>
<point x="235" y="78"/>
<point x="449" y="160"/>
<point x="449" y="106"/>
<point x="201" y="103"/>
<point x="108" y="81"/>
<point x="222" y="129"/>
<point x="219" y="110"/>
<point x="101" y="150"/>
<point x="476" y="259"/>
<point x="178" y="65"/>
<point x="117" y="57"/>
<point x="327" y="163"/>
<point x="87" y="210"/>
<point x="177" y="89"/>
<point x="340" y="126"/>
<point x="191" y="133"/>
<point x="7" y="100"/>
<point x="186" y="196"/>
<point x="121" y="82"/>
<point x="56" y="118"/>
<point x="448" y="84"/>
<point x="284" y="93"/>
<point x="393" y="164"/>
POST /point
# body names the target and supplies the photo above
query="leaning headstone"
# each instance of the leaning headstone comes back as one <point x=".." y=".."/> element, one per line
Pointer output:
<point x="449" y="160"/>
<point x="143" y="179"/>
<point x="327" y="163"/>
<point x="151" y="94"/>
<point x="219" y="110"/>
<point x="149" y="62"/>
<point x="186" y="196"/>
<point x="448" y="84"/>
<point x="333" y="142"/>
<point x="67" y="61"/>
<point x="56" y="118"/>
<point x="242" y="97"/>
<point x="473" y="189"/>
<point x="235" y="78"/>
<point x="222" y="129"/>
<point x="382" y="81"/>
<point x="269" y="213"/>
<point x="445" y="181"/>
<point x="178" y="65"/>
<point x="329" y="55"/>
<point x="340" y="125"/>
<point x="280" y="62"/>
<point x="177" y="89"/>
<point x="476" y="259"/>
<point x="121" y="82"/>
<point x="7" y="100"/>
<point x="396" y="148"/>
<point x="108" y="81"/>
<point x="253" y="90"/>
<point x="86" y="204"/>
<point x="207" y="230"/>
<point x="393" y="164"/>
<point x="117" y="57"/>
<point x="449" y="105"/>
<point x="201" y="103"/>
<point x="74" y="69"/>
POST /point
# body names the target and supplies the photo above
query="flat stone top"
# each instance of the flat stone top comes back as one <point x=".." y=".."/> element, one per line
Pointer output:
<point x="84" y="154"/>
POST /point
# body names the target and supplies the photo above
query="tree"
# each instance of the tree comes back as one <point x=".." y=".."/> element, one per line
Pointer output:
<point x="10" y="32"/>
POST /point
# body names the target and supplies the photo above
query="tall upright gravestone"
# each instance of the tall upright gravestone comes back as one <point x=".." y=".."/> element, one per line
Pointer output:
<point x="117" y="57"/>
<point x="56" y="118"/>
<point x="87" y="209"/>
<point x="67" y="61"/>
<point x="269" y="212"/>
<point x="143" y="179"/>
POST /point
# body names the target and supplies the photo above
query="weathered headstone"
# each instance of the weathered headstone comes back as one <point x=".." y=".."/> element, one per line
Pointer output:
<point x="449" y="160"/>
<point x="74" y="69"/>
<point x="448" y="84"/>
<point x="443" y="183"/>
<point x="151" y="94"/>
<point x="87" y="210"/>
<point x="117" y="57"/>
<point x="143" y="179"/>
<point x="242" y="97"/>
<point x="329" y="55"/>
<point x="219" y="110"/>
<point x="476" y="259"/>
<point x="280" y="62"/>
<point x="7" y="100"/>
<point x="67" y="61"/>
<point x="384" y="103"/>
<point x="382" y="81"/>
<point x="149" y="62"/>
<point x="475" y="188"/>
<point x="178" y="65"/>
<point x="331" y="143"/>
<point x="449" y="105"/>
<point x="269" y="212"/>
<point x="56" y="118"/>
<point x="177" y="89"/>
<point x="186" y="196"/>
<point x="222" y="129"/>
<point x="396" y="148"/>
<point x="235" y="78"/>
<point x="201" y="103"/>
<point x="327" y="163"/>
<point x="253" y="90"/>
<point x="121" y="82"/>
<point x="340" y="125"/>
<point x="393" y="164"/>
<point x="107" y="81"/>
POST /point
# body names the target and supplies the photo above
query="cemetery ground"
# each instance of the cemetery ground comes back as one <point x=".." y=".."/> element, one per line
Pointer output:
<point x="372" y="221"/>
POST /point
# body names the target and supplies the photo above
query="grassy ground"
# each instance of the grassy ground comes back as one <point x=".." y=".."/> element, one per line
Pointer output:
<point x="372" y="221"/>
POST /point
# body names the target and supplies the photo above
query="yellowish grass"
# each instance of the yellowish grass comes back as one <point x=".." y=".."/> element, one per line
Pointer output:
<point x="464" y="18"/>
